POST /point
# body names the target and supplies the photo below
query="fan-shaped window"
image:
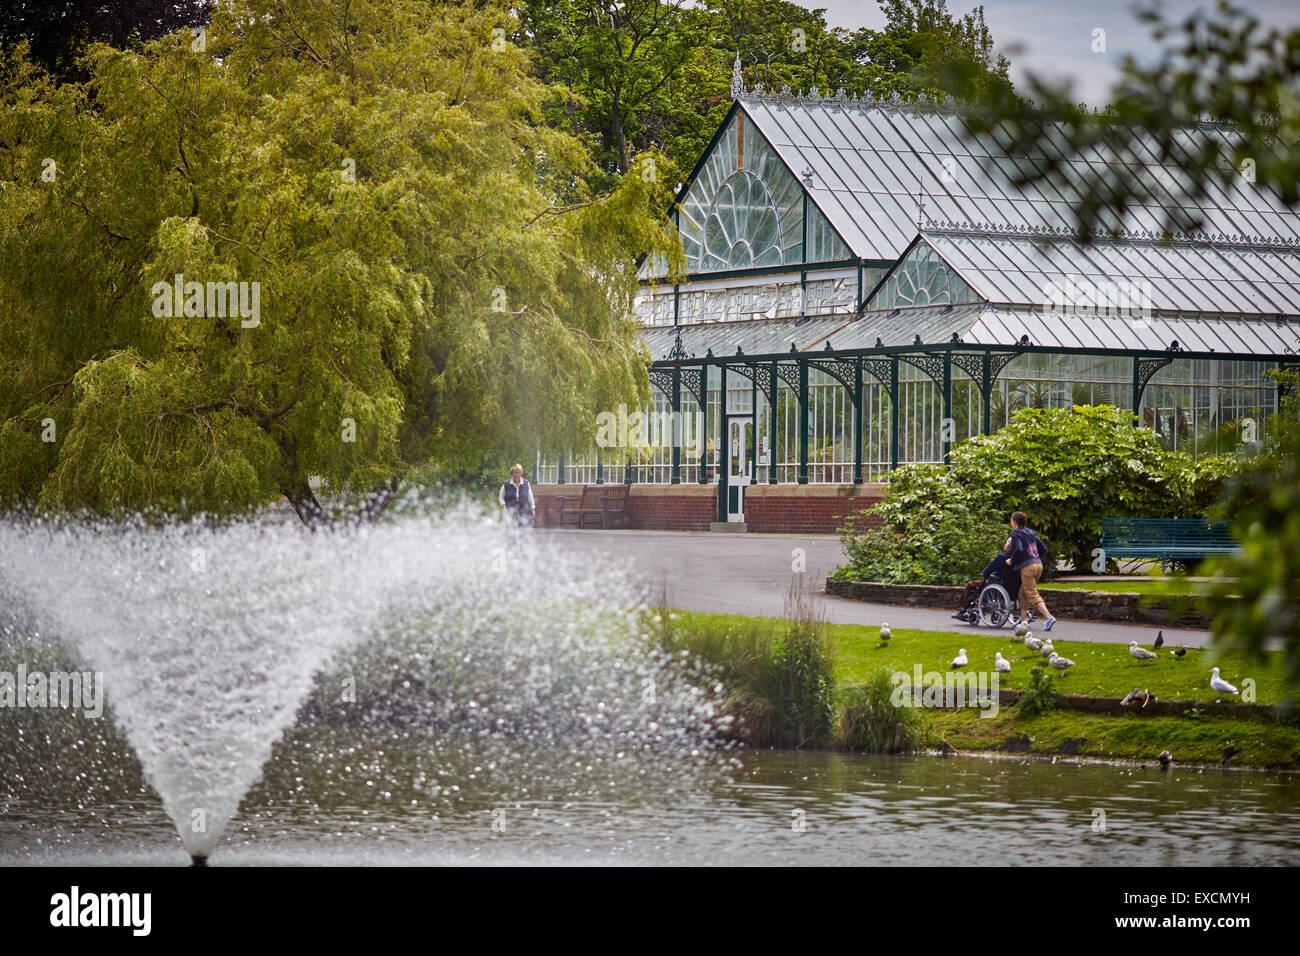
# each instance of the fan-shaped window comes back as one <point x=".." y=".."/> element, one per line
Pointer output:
<point x="922" y="279"/>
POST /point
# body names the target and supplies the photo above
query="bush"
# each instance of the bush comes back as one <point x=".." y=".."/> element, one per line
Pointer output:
<point x="1065" y="468"/>
<point x="1040" y="696"/>
<point x="872" y="723"/>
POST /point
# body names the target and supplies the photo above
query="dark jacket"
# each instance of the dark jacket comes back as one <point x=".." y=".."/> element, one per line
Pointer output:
<point x="1026" y="548"/>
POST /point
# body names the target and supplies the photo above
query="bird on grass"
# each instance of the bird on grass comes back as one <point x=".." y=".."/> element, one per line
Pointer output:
<point x="1220" y="685"/>
<point x="1047" y="650"/>
<point x="1160" y="639"/>
<point x="1022" y="629"/>
<point x="1001" y="664"/>
<point x="1140" y="653"/>
<point x="885" y="632"/>
<point x="1136" y="696"/>
<point x="1059" y="662"/>
<point x="960" y="659"/>
<point x="1032" y="642"/>
<point x="1178" y="651"/>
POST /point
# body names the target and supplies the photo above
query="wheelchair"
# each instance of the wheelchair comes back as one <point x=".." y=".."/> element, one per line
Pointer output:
<point x="994" y="602"/>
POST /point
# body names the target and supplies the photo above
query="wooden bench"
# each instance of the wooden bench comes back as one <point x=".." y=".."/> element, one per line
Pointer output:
<point x="1165" y="539"/>
<point x="579" y="509"/>
<point x="605" y="505"/>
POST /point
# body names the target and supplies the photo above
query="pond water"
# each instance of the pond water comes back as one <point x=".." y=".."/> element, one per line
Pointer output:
<point x="345" y="796"/>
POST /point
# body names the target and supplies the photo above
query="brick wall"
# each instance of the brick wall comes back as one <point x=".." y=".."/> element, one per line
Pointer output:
<point x="777" y="509"/>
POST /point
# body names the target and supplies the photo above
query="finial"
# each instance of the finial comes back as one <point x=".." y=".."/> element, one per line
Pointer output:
<point x="737" y="81"/>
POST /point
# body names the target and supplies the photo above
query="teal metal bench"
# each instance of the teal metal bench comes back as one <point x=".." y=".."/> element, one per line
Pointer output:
<point x="1165" y="539"/>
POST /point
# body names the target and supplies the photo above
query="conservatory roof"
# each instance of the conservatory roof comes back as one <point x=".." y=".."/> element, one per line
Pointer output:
<point x="982" y="325"/>
<point x="875" y="163"/>
<point x="1027" y="268"/>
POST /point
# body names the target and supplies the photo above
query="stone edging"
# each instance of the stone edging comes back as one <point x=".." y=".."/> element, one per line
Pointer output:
<point x="1101" y="606"/>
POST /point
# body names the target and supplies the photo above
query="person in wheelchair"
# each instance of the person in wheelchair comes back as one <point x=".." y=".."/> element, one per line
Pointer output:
<point x="998" y="572"/>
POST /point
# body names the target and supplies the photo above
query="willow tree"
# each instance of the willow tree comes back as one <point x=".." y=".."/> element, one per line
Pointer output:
<point x="407" y="265"/>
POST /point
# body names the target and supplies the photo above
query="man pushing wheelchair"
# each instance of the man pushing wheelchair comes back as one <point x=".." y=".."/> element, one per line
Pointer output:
<point x="1016" y="571"/>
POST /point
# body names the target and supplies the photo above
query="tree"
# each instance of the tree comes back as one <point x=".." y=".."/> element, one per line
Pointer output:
<point x="418" y="269"/>
<point x="58" y="31"/>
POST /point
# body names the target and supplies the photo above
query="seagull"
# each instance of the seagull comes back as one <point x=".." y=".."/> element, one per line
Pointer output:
<point x="1179" y="652"/>
<point x="1160" y="639"/>
<point x="1059" y="662"/>
<point x="1140" y="653"/>
<point x="1022" y="629"/>
<point x="1001" y="664"/>
<point x="1135" y="695"/>
<point x="1217" y="683"/>
<point x="885" y="632"/>
<point x="960" y="659"/>
<point x="1047" y="649"/>
<point x="1032" y="642"/>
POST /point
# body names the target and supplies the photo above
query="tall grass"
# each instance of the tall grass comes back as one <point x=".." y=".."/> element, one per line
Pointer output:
<point x="778" y="685"/>
<point x="872" y="723"/>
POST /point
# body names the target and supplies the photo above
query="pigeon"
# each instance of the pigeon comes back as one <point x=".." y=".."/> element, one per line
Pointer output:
<point x="885" y="632"/>
<point x="1160" y="639"/>
<point x="1032" y="642"/>
<point x="1022" y="629"/>
<point x="1140" y="653"/>
<point x="960" y="659"/>
<point x="1001" y="664"/>
<point x="1179" y="652"/>
<point x="1059" y="662"/>
<point x="1047" y="649"/>
<point x="1217" y="683"/>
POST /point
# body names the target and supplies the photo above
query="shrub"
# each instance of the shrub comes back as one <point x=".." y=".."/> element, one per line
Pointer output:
<point x="1065" y="468"/>
<point x="872" y="723"/>
<point x="1040" y="696"/>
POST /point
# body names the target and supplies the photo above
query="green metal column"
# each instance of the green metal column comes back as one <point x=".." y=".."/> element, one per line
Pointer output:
<point x="1137" y="391"/>
<point x="679" y="427"/>
<point x="857" y="412"/>
<point x="945" y="445"/>
<point x="600" y="471"/>
<point x="704" y="426"/>
<point x="986" y="390"/>
<point x="771" y="426"/>
<point x="560" y="480"/>
<point x="803" y="423"/>
<point x="724" y="445"/>
<point x="893" y="413"/>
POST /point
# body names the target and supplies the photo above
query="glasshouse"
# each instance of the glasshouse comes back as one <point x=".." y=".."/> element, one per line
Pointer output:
<point x="865" y="286"/>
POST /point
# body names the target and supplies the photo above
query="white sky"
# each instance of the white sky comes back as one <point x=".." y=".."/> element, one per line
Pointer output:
<point x="1055" y="36"/>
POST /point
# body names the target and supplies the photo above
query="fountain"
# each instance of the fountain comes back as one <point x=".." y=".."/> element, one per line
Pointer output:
<point x="214" y="640"/>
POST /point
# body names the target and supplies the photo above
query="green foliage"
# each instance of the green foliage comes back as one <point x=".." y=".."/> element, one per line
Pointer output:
<point x="927" y="531"/>
<point x="801" y="682"/>
<point x="1039" y="697"/>
<point x="1065" y="468"/>
<point x="1261" y="597"/>
<point x="870" y="721"/>
<point x="438" y="283"/>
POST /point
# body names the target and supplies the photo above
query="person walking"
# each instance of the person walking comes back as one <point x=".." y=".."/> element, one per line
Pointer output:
<point x="516" y="498"/>
<point x="1027" y="551"/>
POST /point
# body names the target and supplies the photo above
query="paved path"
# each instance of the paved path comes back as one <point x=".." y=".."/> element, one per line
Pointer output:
<point x="751" y="573"/>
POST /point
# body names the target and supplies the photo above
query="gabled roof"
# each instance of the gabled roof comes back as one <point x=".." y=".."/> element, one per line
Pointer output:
<point x="871" y="160"/>
<point x="1183" y="276"/>
<point x="979" y="324"/>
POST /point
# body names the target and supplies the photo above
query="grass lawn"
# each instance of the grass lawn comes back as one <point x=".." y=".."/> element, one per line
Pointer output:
<point x="1103" y="670"/>
<point x="1161" y="587"/>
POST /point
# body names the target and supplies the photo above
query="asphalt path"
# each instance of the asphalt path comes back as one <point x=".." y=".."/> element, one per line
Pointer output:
<point x="753" y="573"/>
